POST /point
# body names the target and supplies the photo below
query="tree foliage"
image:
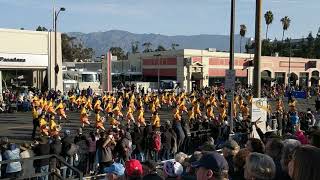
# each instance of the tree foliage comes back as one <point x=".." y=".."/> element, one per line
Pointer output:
<point x="268" y="17"/>
<point x="135" y="47"/>
<point x="243" y="30"/>
<point x="39" y="28"/>
<point x="160" y="48"/>
<point x="73" y="50"/>
<point x="118" y="51"/>
<point x="306" y="48"/>
<point x="174" y="45"/>
<point x="285" y="24"/>
<point x="147" y="47"/>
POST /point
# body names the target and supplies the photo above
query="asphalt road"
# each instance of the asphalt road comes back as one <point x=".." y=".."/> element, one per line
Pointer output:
<point x="18" y="126"/>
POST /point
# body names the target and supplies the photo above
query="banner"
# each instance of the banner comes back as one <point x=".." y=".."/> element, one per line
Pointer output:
<point x="259" y="111"/>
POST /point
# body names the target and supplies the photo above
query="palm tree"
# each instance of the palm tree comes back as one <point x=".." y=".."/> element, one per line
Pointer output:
<point x="135" y="47"/>
<point x="285" y="25"/>
<point x="243" y="30"/>
<point x="268" y="16"/>
<point x="174" y="45"/>
<point x="147" y="46"/>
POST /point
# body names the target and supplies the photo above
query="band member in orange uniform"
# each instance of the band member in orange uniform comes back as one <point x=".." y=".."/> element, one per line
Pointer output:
<point x="155" y="120"/>
<point x="61" y="112"/>
<point x="44" y="128"/>
<point x="99" y="122"/>
<point x="141" y="119"/>
<point x="129" y="116"/>
<point x="210" y="113"/>
<point x="84" y="116"/>
<point x="54" y="129"/>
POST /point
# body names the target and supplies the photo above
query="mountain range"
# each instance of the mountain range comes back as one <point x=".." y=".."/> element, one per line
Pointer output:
<point x="102" y="41"/>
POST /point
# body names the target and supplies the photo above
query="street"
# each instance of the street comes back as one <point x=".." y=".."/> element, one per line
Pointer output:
<point x="18" y="126"/>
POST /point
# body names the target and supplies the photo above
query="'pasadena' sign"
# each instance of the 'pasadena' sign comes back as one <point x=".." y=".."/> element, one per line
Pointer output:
<point x="3" y="59"/>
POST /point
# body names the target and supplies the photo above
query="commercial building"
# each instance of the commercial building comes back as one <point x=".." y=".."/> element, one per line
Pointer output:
<point x="27" y="58"/>
<point x="192" y="67"/>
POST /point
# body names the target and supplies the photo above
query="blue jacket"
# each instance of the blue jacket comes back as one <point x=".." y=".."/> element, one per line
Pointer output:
<point x="13" y="153"/>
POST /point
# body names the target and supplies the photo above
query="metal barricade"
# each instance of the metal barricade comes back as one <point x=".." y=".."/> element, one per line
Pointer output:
<point x="53" y="171"/>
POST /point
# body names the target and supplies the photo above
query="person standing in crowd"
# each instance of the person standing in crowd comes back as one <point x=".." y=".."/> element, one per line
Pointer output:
<point x="211" y="166"/>
<point x="289" y="147"/>
<point x="41" y="149"/>
<point x="172" y="170"/>
<point x="239" y="162"/>
<point x="13" y="169"/>
<point x="255" y="145"/>
<point x="305" y="163"/>
<point x="89" y="92"/>
<point x="69" y="150"/>
<point x="56" y="149"/>
<point x="35" y="121"/>
<point x="105" y="146"/>
<point x="259" y="166"/>
<point x="133" y="170"/>
<point x="166" y="142"/>
<point x="150" y="171"/>
<point x="274" y="149"/>
<point x="91" y="142"/>
<point x="230" y="150"/>
<point x="114" y="172"/>
<point x="137" y="142"/>
<point x="27" y="165"/>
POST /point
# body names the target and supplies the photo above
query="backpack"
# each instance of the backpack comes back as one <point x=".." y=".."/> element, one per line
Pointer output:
<point x="156" y="142"/>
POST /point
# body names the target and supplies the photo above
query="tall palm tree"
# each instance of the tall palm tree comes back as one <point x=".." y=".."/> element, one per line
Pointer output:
<point x="285" y="25"/>
<point x="243" y="30"/>
<point x="147" y="47"/>
<point x="268" y="16"/>
<point x="174" y="45"/>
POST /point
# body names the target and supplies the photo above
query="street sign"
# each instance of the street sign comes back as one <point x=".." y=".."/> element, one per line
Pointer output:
<point x="230" y="79"/>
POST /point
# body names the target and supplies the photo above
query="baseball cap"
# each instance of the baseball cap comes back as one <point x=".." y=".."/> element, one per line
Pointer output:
<point x="173" y="168"/>
<point x="214" y="161"/>
<point x="231" y="144"/>
<point x="133" y="168"/>
<point x="115" y="168"/>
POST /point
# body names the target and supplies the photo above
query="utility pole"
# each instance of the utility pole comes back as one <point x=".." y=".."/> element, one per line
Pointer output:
<point x="257" y="56"/>
<point x="231" y="62"/>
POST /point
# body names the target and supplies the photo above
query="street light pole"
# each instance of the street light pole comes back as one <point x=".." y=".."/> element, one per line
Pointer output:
<point x="257" y="56"/>
<point x="56" y="67"/>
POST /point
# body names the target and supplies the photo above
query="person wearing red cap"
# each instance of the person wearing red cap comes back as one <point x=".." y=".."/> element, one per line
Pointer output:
<point x="133" y="170"/>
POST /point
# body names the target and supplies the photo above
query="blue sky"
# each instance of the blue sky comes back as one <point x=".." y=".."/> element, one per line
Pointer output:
<point x="168" y="17"/>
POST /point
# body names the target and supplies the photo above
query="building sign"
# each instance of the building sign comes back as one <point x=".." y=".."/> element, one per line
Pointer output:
<point x="23" y="60"/>
<point x="3" y="59"/>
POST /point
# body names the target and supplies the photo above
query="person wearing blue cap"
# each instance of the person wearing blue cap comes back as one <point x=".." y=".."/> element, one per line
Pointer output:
<point x="211" y="166"/>
<point x="114" y="172"/>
